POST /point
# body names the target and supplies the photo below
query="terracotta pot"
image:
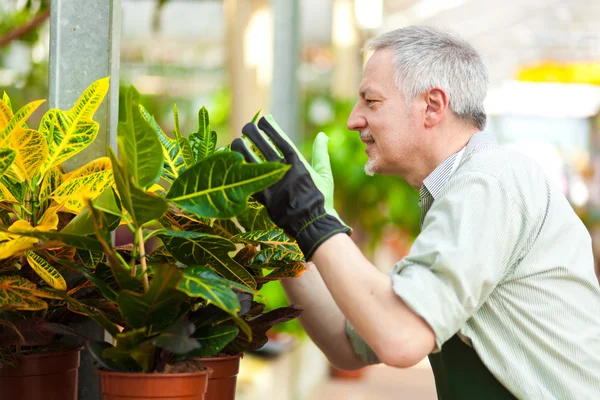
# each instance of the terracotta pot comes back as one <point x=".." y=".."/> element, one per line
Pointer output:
<point x="349" y="375"/>
<point x="134" y="386"/>
<point x="222" y="382"/>
<point x="42" y="376"/>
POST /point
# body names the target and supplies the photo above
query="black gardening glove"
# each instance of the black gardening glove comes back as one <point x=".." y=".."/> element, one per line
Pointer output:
<point x="301" y="203"/>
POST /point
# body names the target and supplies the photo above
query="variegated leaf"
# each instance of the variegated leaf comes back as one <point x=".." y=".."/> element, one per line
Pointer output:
<point x="174" y="163"/>
<point x="16" y="294"/>
<point x="220" y="185"/>
<point x="32" y="151"/>
<point x="275" y="246"/>
<point x="204" y="141"/>
<point x="46" y="271"/>
<point x="69" y="132"/>
<point x="193" y="248"/>
<point x="7" y="101"/>
<point x="17" y="122"/>
<point x="72" y="192"/>
<point x="7" y="158"/>
<point x="5" y="111"/>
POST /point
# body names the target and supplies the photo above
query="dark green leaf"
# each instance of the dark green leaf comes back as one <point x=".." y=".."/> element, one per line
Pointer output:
<point x="275" y="246"/>
<point x="90" y="258"/>
<point x="225" y="228"/>
<point x="142" y="150"/>
<point x="184" y="145"/>
<point x="96" y="349"/>
<point x="7" y="358"/>
<point x="213" y="340"/>
<point x="159" y="307"/>
<point x="194" y="248"/>
<point x="178" y="339"/>
<point x="219" y="185"/>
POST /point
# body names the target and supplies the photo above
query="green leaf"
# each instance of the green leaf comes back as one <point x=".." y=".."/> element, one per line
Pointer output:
<point x="219" y="185"/>
<point x="184" y="144"/>
<point x="157" y="308"/>
<point x="141" y="148"/>
<point x="204" y="141"/>
<point x="79" y="242"/>
<point x="97" y="348"/>
<point x="142" y="206"/>
<point x="195" y="248"/>
<point x="174" y="163"/>
<point x="225" y="228"/>
<point x="83" y="224"/>
<point x="255" y="118"/>
<point x="7" y="358"/>
<point x="213" y="340"/>
<point x="177" y="339"/>
<point x="17" y="122"/>
<point x="7" y="157"/>
<point x="132" y="344"/>
<point x="69" y="132"/>
<point x="202" y="282"/>
<point x="256" y="217"/>
<point x="90" y="259"/>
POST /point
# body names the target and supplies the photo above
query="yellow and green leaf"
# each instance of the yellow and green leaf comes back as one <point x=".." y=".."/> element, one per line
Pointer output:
<point x="72" y="192"/>
<point x="17" y="122"/>
<point x="32" y="151"/>
<point x="46" y="271"/>
<point x="7" y="158"/>
<point x="69" y="132"/>
<point x="5" y="112"/>
<point x="17" y="293"/>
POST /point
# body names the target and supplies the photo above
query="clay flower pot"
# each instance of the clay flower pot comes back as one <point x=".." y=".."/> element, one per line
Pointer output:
<point x="139" y="386"/>
<point x="42" y="376"/>
<point x="222" y="382"/>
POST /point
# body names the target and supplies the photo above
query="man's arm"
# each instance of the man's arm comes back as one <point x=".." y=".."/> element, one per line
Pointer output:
<point x="398" y="336"/>
<point x="322" y="318"/>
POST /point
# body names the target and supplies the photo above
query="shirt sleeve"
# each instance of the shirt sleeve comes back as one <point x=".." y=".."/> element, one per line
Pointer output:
<point x="361" y="348"/>
<point x="472" y="237"/>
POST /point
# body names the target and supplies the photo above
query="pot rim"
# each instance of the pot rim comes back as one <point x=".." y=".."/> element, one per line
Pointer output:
<point x="159" y="375"/>
<point x="223" y="358"/>
<point x="45" y="355"/>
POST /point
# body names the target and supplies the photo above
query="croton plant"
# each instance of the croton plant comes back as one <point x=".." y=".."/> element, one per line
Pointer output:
<point x="187" y="282"/>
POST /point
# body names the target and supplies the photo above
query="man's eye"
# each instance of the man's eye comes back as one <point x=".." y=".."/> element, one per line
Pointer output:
<point x="370" y="102"/>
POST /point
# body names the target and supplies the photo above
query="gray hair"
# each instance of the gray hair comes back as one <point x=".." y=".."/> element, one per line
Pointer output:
<point x="426" y="57"/>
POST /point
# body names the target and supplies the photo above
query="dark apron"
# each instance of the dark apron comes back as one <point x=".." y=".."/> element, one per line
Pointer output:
<point x="460" y="374"/>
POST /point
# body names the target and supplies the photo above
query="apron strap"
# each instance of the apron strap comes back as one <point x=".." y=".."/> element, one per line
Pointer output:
<point x="461" y="375"/>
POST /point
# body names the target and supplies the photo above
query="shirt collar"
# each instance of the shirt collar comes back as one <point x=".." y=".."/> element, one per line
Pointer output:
<point x="434" y="183"/>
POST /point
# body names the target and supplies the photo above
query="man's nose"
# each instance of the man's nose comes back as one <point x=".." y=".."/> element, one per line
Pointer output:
<point x="356" y="121"/>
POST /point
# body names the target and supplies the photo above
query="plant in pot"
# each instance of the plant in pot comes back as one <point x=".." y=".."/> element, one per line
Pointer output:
<point x="191" y="295"/>
<point x="37" y="196"/>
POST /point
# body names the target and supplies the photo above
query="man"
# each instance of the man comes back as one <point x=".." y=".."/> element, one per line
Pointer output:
<point x="498" y="289"/>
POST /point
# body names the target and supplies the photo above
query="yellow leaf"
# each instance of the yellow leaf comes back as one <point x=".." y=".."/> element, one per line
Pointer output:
<point x="97" y="165"/>
<point x="17" y="293"/>
<point x="32" y="151"/>
<point x="156" y="188"/>
<point x="17" y="121"/>
<point x="69" y="132"/>
<point x="5" y="114"/>
<point x="49" y="220"/>
<point x="72" y="192"/>
<point x="16" y="246"/>
<point x="46" y="271"/>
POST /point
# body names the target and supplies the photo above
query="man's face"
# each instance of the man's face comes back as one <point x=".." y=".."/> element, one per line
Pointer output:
<point x="387" y="124"/>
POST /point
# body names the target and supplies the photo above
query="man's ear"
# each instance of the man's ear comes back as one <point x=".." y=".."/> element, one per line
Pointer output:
<point x="437" y="106"/>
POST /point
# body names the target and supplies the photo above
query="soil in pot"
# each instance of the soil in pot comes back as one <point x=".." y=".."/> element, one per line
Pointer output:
<point x="48" y="376"/>
<point x="223" y="381"/>
<point x="186" y="380"/>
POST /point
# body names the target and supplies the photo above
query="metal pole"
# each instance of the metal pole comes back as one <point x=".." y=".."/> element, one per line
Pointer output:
<point x="84" y="47"/>
<point x="284" y="88"/>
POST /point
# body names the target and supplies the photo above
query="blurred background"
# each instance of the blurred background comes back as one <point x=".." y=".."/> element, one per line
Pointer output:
<point x="301" y="61"/>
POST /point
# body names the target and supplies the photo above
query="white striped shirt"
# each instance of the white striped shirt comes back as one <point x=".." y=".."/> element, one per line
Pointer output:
<point x="504" y="261"/>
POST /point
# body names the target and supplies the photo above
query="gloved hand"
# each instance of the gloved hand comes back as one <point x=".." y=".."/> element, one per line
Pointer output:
<point x="301" y="203"/>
